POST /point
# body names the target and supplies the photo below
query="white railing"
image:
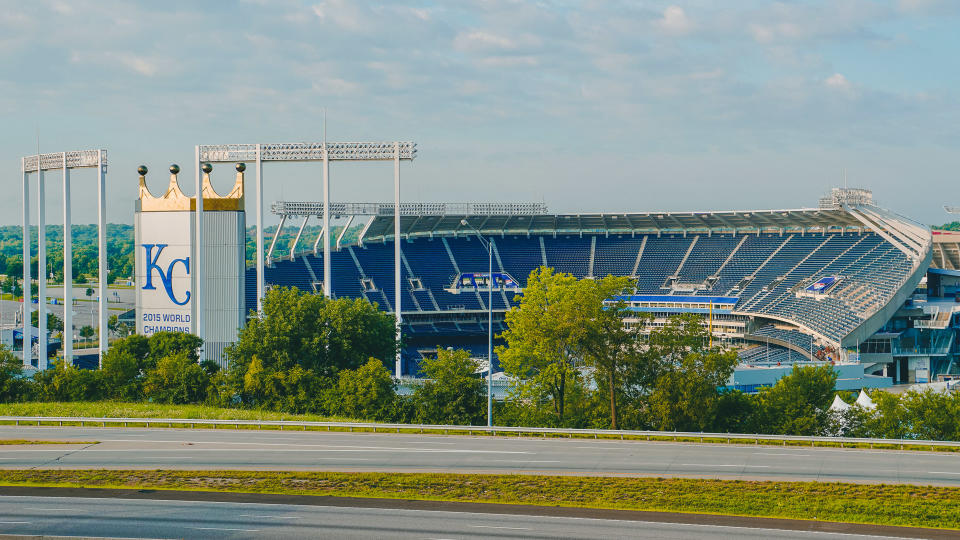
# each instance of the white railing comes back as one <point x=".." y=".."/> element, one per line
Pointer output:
<point x="755" y="438"/>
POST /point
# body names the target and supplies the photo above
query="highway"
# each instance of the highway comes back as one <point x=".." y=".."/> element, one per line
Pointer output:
<point x="140" y="448"/>
<point x="145" y="518"/>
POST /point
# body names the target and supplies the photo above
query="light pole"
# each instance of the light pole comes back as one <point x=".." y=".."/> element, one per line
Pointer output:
<point x="486" y="244"/>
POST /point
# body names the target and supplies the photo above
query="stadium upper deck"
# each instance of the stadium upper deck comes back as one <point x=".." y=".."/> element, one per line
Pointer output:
<point x="837" y="272"/>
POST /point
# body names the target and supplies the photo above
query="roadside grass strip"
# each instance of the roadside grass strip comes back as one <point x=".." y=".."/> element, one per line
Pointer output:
<point x="7" y="442"/>
<point x="118" y="409"/>
<point x="900" y="505"/>
<point x="133" y="410"/>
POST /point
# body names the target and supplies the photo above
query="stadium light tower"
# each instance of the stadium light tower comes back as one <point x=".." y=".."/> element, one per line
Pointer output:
<point x="324" y="152"/>
<point x="487" y="244"/>
<point x="62" y="161"/>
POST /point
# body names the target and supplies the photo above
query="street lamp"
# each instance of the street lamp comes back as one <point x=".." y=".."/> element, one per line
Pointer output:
<point x="489" y="248"/>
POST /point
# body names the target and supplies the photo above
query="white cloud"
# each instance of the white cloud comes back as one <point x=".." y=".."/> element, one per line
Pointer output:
<point x="140" y="65"/>
<point x="480" y="40"/>
<point x="508" y="61"/>
<point x="334" y="86"/>
<point x="343" y="14"/>
<point x="675" y="21"/>
<point x="838" y="81"/>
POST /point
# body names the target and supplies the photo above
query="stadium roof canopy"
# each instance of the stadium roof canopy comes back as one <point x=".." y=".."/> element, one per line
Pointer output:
<point x="430" y="219"/>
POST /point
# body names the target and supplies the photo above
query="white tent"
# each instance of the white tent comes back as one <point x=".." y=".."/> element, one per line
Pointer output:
<point x="838" y="405"/>
<point x="864" y="401"/>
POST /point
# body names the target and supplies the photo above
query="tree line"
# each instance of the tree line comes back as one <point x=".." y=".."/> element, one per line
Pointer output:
<point x="120" y="255"/>
<point x="573" y="362"/>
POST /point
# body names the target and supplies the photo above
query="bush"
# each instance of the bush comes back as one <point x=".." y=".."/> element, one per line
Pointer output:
<point x="177" y="379"/>
<point x="367" y="392"/>
<point x="453" y="394"/>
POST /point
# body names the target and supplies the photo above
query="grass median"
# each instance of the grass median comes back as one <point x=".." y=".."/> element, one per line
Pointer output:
<point x="7" y="442"/>
<point x="133" y="410"/>
<point x="903" y="505"/>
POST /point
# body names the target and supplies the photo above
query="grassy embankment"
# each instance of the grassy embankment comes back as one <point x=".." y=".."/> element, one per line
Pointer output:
<point x="5" y="442"/>
<point x="112" y="409"/>
<point x="854" y="503"/>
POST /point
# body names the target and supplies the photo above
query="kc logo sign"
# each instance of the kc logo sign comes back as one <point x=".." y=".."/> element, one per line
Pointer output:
<point x="166" y="278"/>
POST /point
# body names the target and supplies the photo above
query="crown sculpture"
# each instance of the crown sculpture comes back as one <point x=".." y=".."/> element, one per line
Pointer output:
<point x="175" y="201"/>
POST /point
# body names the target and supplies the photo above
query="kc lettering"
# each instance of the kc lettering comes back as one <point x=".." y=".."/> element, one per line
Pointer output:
<point x="166" y="278"/>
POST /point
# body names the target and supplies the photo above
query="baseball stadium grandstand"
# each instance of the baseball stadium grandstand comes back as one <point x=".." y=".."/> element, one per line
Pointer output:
<point x="783" y="286"/>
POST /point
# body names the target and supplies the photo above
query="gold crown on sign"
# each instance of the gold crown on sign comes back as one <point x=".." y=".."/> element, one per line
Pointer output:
<point x="173" y="200"/>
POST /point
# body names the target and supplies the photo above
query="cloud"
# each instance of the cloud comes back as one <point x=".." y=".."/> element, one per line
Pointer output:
<point x="675" y="21"/>
<point x="838" y="82"/>
<point x="343" y="14"/>
<point x="480" y="40"/>
<point x="508" y="61"/>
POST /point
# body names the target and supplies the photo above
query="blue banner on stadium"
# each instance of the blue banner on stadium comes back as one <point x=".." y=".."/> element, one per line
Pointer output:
<point x="823" y="284"/>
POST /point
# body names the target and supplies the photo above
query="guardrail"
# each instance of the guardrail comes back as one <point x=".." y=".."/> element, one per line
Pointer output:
<point x="755" y="438"/>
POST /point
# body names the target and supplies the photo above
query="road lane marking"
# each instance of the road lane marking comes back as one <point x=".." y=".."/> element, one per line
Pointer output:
<point x="268" y="517"/>
<point x="778" y="454"/>
<point x="526" y="461"/>
<point x="224" y="529"/>
<point x="499" y="527"/>
<point x="184" y="444"/>
<point x="723" y="465"/>
<point x="14" y="522"/>
<point x="942" y="472"/>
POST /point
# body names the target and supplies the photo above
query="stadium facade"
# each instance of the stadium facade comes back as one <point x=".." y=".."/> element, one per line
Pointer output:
<point x="847" y="282"/>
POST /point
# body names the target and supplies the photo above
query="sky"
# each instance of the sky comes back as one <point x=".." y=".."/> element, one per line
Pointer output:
<point x="595" y="106"/>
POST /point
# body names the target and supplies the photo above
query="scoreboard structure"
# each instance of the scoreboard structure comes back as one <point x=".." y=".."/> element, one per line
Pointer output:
<point x="166" y="277"/>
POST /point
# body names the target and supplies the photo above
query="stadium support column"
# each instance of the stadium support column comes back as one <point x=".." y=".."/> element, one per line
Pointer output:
<point x="102" y="250"/>
<point x="327" y="282"/>
<point x="27" y="289"/>
<point x="396" y="247"/>
<point x="199" y="245"/>
<point x="259" y="262"/>
<point x="67" y="269"/>
<point x="41" y="270"/>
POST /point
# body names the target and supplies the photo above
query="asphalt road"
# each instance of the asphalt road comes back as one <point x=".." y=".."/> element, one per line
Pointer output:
<point x="139" y="448"/>
<point x="108" y="517"/>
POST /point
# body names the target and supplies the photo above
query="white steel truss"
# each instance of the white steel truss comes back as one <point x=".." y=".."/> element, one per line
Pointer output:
<point x="347" y="151"/>
<point x="300" y="208"/>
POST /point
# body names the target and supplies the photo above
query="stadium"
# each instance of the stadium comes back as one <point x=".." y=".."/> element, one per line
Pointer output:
<point x="842" y="283"/>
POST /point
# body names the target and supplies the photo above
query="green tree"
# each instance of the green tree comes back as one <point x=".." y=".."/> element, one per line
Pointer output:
<point x="544" y="341"/>
<point x="123" y="367"/>
<point x="87" y="332"/>
<point x="13" y="387"/>
<point x="319" y="335"/>
<point x="176" y="379"/>
<point x="120" y="329"/>
<point x="452" y="392"/>
<point x="798" y="403"/>
<point x="68" y="383"/>
<point x="367" y="392"/>
<point x="164" y="344"/>
<point x="932" y="415"/>
<point x="686" y="374"/>
<point x="612" y="348"/>
<point x="54" y="323"/>
<point x="14" y="266"/>
<point x="889" y="419"/>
